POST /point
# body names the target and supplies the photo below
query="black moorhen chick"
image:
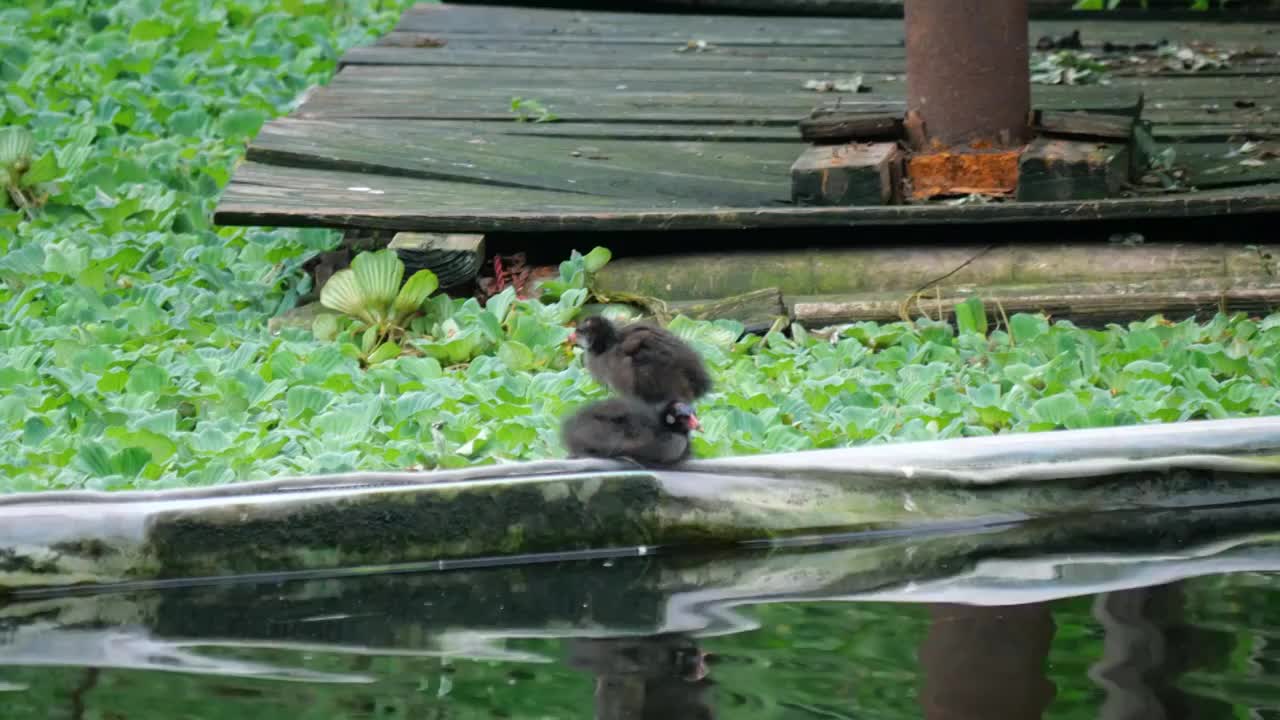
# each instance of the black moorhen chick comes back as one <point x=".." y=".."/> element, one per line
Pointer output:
<point x="642" y="361"/>
<point x="627" y="428"/>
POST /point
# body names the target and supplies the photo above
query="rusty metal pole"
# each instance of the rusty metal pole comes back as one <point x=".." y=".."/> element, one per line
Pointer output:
<point x="968" y="74"/>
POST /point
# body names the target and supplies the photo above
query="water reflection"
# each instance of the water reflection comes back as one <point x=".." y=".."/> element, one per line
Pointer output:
<point x="986" y="662"/>
<point x="1147" y="646"/>
<point x="651" y="678"/>
<point x="793" y="633"/>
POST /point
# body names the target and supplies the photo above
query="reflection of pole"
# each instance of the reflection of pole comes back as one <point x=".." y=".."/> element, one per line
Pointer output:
<point x="981" y="663"/>
<point x="968" y="70"/>
<point x="658" y="678"/>
<point x="1145" y="648"/>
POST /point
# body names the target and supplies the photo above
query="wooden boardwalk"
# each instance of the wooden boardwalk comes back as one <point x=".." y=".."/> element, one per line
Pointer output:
<point x="687" y="122"/>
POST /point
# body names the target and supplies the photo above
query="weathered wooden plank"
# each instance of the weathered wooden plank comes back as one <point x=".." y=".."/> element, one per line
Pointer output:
<point x="650" y="59"/>
<point x="1213" y="94"/>
<point x="1211" y="165"/>
<point x="723" y="29"/>
<point x="1081" y="303"/>
<point x="1084" y="125"/>
<point x="846" y="127"/>
<point x="477" y="94"/>
<point x="894" y="271"/>
<point x="1039" y="9"/>
<point x="692" y="132"/>
<point x="257" y="188"/>
<point x="588" y="45"/>
<point x="1173" y="87"/>
<point x="721" y="173"/>
<point x="760" y="60"/>
<point x="273" y="195"/>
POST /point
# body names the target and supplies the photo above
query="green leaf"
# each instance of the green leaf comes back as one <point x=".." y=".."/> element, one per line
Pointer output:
<point x="971" y="317"/>
<point x="593" y="261"/>
<point x="415" y="292"/>
<point x="385" y="351"/>
<point x="159" y="447"/>
<point x="302" y="400"/>
<point x="72" y="156"/>
<point x="324" y="327"/>
<point x="985" y="395"/>
<point x="148" y="30"/>
<point x="499" y="305"/>
<point x="422" y="368"/>
<point x="516" y="355"/>
<point x="342" y="293"/>
<point x="16" y="146"/>
<point x="241" y="123"/>
<point x="95" y="460"/>
<point x="1062" y="410"/>
<point x="378" y="276"/>
<point x="42" y="171"/>
<point x="1027" y="328"/>
<point x="146" y="378"/>
<point x="34" y="431"/>
<point x="369" y="340"/>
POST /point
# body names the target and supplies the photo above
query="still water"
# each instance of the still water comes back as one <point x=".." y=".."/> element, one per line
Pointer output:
<point x="1179" y="627"/>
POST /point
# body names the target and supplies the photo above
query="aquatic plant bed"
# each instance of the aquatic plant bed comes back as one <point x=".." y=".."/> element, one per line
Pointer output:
<point x="554" y="510"/>
<point x="135" y="351"/>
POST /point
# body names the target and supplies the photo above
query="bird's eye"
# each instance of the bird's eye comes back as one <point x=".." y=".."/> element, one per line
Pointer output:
<point x="671" y="419"/>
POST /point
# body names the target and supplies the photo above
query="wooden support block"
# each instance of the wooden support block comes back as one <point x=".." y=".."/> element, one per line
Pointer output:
<point x="850" y="174"/>
<point x="851" y="127"/>
<point x="455" y="258"/>
<point x="1052" y="169"/>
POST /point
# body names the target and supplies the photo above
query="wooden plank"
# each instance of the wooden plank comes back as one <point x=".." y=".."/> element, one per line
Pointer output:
<point x="728" y="29"/>
<point x="263" y="188"/>
<point x="444" y="103"/>
<point x="1084" y="125"/>
<point x="899" y="271"/>
<point x="845" y="127"/>
<point x="421" y="81"/>
<point x="273" y="195"/>
<point x="1213" y="165"/>
<point x="690" y="132"/>
<point x="552" y="44"/>
<point x="727" y="172"/>
<point x="1081" y="303"/>
<point x="760" y="60"/>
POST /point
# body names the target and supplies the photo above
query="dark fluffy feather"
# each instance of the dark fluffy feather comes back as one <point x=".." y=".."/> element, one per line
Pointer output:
<point x="643" y="361"/>
<point x="623" y="427"/>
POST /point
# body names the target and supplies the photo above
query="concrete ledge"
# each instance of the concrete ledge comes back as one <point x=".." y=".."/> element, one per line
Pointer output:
<point x="498" y="513"/>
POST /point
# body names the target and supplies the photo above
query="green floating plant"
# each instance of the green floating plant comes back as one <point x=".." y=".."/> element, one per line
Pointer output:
<point x="370" y="291"/>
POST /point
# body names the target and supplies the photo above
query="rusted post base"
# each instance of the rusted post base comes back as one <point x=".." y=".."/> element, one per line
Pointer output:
<point x="850" y="174"/>
<point x="988" y="172"/>
<point x="1072" y="156"/>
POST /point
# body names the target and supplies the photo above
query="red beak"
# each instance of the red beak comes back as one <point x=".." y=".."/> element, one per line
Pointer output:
<point x="693" y="422"/>
<point x="573" y="336"/>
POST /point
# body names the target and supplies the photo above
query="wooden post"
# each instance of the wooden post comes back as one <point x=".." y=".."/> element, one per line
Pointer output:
<point x="968" y="73"/>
